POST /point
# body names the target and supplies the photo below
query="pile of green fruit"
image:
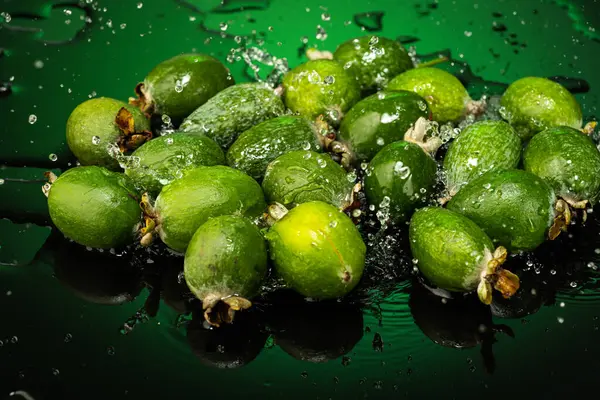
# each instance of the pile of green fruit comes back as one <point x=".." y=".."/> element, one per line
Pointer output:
<point x="259" y="181"/>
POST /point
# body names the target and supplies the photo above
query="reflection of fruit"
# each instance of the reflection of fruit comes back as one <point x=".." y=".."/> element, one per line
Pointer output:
<point x="458" y="323"/>
<point x="229" y="346"/>
<point x="514" y="207"/>
<point x="453" y="253"/>
<point x="94" y="207"/>
<point x="179" y="85"/>
<point x="533" y="104"/>
<point x="225" y="264"/>
<point x="317" y="250"/>
<point x="173" y="289"/>
<point x="316" y="332"/>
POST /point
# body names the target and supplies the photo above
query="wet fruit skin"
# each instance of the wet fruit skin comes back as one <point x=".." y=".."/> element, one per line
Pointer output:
<point x="532" y="104"/>
<point x="233" y="111"/>
<point x="373" y="60"/>
<point x="91" y="127"/>
<point x="445" y="94"/>
<point x="204" y="192"/>
<point x="404" y="174"/>
<point x="320" y="87"/>
<point x="163" y="159"/>
<point x="514" y="207"/>
<point x="258" y="146"/>
<point x="95" y="207"/>
<point x="226" y="256"/>
<point x="302" y="176"/>
<point x="317" y="251"/>
<point x="567" y="160"/>
<point x="179" y="85"/>
<point x="449" y="247"/>
<point x="481" y="147"/>
<point x="380" y="119"/>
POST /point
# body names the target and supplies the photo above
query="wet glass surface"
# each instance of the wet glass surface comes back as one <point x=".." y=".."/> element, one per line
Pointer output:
<point x="84" y="324"/>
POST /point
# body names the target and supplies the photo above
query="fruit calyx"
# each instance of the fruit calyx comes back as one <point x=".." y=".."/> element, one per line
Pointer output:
<point x="497" y="277"/>
<point x="476" y="107"/>
<point x="417" y="134"/>
<point x="48" y="185"/>
<point x="130" y="139"/>
<point x="275" y="212"/>
<point x="221" y="309"/>
<point x="588" y="129"/>
<point x="565" y="209"/>
<point x="149" y="226"/>
<point x="144" y="100"/>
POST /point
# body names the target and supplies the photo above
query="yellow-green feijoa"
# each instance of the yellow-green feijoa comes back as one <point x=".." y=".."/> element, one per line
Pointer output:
<point x="225" y="264"/>
<point x="302" y="176"/>
<point x="164" y="159"/>
<point x="455" y="254"/>
<point x="378" y="120"/>
<point x="233" y="111"/>
<point x="100" y="127"/>
<point x="479" y="148"/>
<point x="532" y="104"/>
<point x="202" y="193"/>
<point x="320" y="87"/>
<point x="258" y="146"/>
<point x="399" y="179"/>
<point x="515" y="208"/>
<point x="448" y="99"/>
<point x="94" y="207"/>
<point x="317" y="250"/>
<point x="373" y="60"/>
<point x="179" y="85"/>
<point x="569" y="161"/>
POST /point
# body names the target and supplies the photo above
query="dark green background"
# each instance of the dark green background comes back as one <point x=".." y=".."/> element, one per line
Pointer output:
<point x="546" y="357"/>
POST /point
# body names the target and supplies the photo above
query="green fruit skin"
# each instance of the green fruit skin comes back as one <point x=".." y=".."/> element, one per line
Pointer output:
<point x="96" y="118"/>
<point x="400" y="172"/>
<point x="165" y="158"/>
<point x="567" y="160"/>
<point x="373" y="60"/>
<point x="380" y="119"/>
<point x="302" y="176"/>
<point x="515" y="208"/>
<point x="479" y="148"/>
<point x="95" y="207"/>
<point x="233" y="111"/>
<point x="533" y="104"/>
<point x="450" y="248"/>
<point x="226" y="256"/>
<point x="204" y="192"/>
<point x="258" y="146"/>
<point x="307" y="91"/>
<point x="317" y="251"/>
<point x="199" y="76"/>
<point x="445" y="94"/>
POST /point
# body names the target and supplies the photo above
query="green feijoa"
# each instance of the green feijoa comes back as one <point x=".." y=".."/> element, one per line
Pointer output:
<point x="302" y="176"/>
<point x="373" y="60"/>
<point x="448" y="99"/>
<point x="164" y="159"/>
<point x="98" y="127"/>
<point x="515" y="208"/>
<point x="179" y="85"/>
<point x="232" y="111"/>
<point x="258" y="146"/>
<point x="399" y="179"/>
<point x="203" y="192"/>
<point x="317" y="250"/>
<point x="320" y="87"/>
<point x="532" y="104"/>
<point x="94" y="207"/>
<point x="569" y="161"/>
<point x="455" y="254"/>
<point x="225" y="263"/>
<point x="481" y="147"/>
<point x="378" y="120"/>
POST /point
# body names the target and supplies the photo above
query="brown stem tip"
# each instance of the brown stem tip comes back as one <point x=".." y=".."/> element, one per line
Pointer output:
<point x="219" y="310"/>
<point x="497" y="277"/>
<point x="144" y="99"/>
<point x="565" y="209"/>
<point x="130" y="139"/>
<point x="149" y="226"/>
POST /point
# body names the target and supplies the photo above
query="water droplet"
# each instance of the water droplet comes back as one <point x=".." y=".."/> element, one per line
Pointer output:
<point x="96" y="139"/>
<point x="325" y="17"/>
<point x="1" y="181"/>
<point x="178" y="86"/>
<point x="356" y="213"/>
<point x="68" y="337"/>
<point x="169" y="140"/>
<point x="422" y="105"/>
<point x="573" y="284"/>
<point x="385" y="202"/>
<point x="306" y="146"/>
<point x="39" y="64"/>
<point x="380" y="141"/>
<point x="333" y="223"/>
<point x="110" y="350"/>
<point x="373" y="41"/>
<point x="53" y="157"/>
<point x="55" y="372"/>
<point x="32" y="119"/>
<point x="6" y="16"/>
<point x="321" y="33"/>
<point x="329" y="79"/>
<point x="372" y="207"/>
<point x="166" y="119"/>
<point x="223" y="26"/>
<point x="322" y="163"/>
<point x="304" y="374"/>
<point x="307" y="155"/>
<point x="123" y="26"/>
<point x="560" y="320"/>
<point x="140" y="5"/>
<point x="351" y="176"/>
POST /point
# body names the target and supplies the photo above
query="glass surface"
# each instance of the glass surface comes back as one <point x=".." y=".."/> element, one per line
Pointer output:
<point x="67" y="313"/>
